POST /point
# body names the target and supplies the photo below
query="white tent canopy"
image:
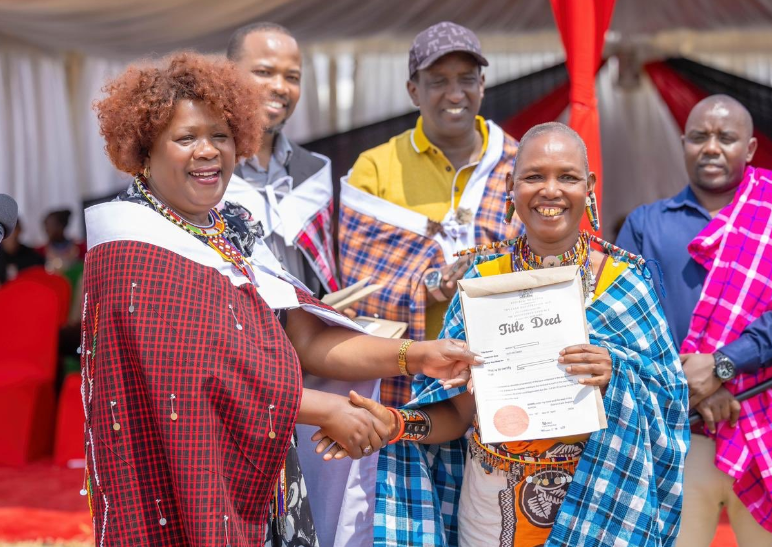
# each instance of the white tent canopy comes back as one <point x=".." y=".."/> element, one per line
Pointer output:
<point x="135" y="27"/>
<point x="56" y="54"/>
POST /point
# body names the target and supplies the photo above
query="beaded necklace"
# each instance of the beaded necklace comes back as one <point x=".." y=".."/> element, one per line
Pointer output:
<point x="213" y="233"/>
<point x="574" y="255"/>
<point x="523" y="258"/>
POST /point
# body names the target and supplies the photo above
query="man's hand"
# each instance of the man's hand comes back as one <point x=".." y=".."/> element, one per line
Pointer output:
<point x="451" y="273"/>
<point x="719" y="407"/>
<point x="702" y="382"/>
<point x="588" y="359"/>
<point x="382" y="416"/>
<point x="446" y="360"/>
<point x="351" y="429"/>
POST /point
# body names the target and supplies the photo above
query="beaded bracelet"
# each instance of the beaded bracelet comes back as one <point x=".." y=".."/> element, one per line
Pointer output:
<point x="418" y="424"/>
<point x="400" y="421"/>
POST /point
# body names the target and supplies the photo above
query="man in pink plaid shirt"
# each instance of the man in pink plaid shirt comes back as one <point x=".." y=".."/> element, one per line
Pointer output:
<point x="713" y="241"/>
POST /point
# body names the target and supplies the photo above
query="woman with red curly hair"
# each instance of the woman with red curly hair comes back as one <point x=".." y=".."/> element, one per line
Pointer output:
<point x="194" y="337"/>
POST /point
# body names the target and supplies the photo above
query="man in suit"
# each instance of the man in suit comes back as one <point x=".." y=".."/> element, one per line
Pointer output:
<point x="712" y="239"/>
<point x="286" y="187"/>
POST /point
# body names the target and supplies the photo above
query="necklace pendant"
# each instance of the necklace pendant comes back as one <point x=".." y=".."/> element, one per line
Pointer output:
<point x="550" y="261"/>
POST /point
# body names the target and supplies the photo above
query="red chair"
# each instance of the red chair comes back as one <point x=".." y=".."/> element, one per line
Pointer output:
<point x="58" y="283"/>
<point x="68" y="443"/>
<point x="68" y="440"/>
<point x="29" y="330"/>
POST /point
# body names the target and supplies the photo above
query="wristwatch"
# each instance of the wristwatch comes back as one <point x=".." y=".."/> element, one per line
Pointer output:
<point x="433" y="281"/>
<point x="724" y="368"/>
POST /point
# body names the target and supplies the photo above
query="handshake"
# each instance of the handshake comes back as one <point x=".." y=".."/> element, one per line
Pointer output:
<point x="360" y="427"/>
<point x="357" y="426"/>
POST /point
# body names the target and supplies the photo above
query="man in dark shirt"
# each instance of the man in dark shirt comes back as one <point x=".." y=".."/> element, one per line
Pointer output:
<point x="718" y="144"/>
<point x="15" y="256"/>
<point x="289" y="189"/>
<point x="286" y="187"/>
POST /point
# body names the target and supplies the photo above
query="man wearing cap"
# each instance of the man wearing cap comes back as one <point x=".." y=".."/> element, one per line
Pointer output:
<point x="409" y="204"/>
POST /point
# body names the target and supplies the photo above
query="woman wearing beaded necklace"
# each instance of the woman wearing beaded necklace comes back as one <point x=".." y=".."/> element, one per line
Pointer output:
<point x="194" y="337"/>
<point x="618" y="486"/>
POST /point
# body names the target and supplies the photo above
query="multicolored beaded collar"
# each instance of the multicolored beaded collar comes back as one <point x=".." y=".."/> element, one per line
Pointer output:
<point x="213" y="233"/>
<point x="523" y="259"/>
<point x="575" y="255"/>
<point x="609" y="248"/>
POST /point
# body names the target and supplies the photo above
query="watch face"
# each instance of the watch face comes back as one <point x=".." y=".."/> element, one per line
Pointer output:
<point x="432" y="279"/>
<point x="724" y="369"/>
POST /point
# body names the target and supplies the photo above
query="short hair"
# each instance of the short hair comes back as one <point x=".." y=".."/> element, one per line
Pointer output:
<point x="61" y="216"/>
<point x="726" y="100"/>
<point x="553" y="127"/>
<point x="140" y="104"/>
<point x="236" y="42"/>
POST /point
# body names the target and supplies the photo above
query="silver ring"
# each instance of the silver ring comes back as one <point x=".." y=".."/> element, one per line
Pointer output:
<point x="367" y="450"/>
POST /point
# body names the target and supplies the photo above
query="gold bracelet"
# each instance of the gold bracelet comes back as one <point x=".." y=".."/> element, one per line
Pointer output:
<point x="402" y="357"/>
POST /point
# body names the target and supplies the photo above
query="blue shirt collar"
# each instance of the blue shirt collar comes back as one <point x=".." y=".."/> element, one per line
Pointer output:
<point x="685" y="198"/>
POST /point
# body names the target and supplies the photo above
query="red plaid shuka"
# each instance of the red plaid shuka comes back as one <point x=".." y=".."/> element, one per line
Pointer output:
<point x="156" y="324"/>
<point x="388" y="243"/>
<point x="315" y="242"/>
<point x="735" y="248"/>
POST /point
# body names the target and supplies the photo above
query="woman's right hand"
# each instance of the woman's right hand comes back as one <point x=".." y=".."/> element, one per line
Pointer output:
<point x="588" y="359"/>
<point x="349" y="430"/>
<point x="380" y="412"/>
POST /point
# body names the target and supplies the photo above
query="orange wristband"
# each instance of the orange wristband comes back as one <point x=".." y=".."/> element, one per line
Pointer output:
<point x="401" y="422"/>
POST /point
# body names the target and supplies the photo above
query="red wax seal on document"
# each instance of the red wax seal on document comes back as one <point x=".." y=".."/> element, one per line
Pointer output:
<point x="511" y="420"/>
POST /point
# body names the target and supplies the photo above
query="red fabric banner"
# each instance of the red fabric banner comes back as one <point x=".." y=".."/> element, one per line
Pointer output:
<point x="680" y="96"/>
<point x="583" y="25"/>
<point x="546" y="109"/>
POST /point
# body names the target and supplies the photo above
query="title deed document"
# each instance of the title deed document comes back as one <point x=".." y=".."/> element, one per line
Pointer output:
<point x="519" y="322"/>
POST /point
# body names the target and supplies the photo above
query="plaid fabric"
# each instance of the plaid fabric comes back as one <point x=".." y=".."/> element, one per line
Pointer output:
<point x="310" y="204"/>
<point x="627" y="489"/>
<point x="182" y="338"/>
<point x="736" y="249"/>
<point x="397" y="259"/>
<point x="315" y="241"/>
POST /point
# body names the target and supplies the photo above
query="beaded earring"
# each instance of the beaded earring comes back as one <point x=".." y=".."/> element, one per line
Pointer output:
<point x="592" y="211"/>
<point x="510" y="208"/>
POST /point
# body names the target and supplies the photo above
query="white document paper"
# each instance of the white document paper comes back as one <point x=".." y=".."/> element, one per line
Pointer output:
<point x="519" y="322"/>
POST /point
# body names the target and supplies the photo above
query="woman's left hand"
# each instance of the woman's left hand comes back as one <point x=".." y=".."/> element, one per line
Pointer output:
<point x="588" y="359"/>
<point x="447" y="360"/>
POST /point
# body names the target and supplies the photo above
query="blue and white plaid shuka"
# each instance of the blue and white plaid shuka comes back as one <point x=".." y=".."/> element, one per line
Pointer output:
<point x="627" y="489"/>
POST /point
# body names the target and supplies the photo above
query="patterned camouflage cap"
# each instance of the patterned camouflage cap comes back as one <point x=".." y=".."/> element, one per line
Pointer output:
<point x="439" y="40"/>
